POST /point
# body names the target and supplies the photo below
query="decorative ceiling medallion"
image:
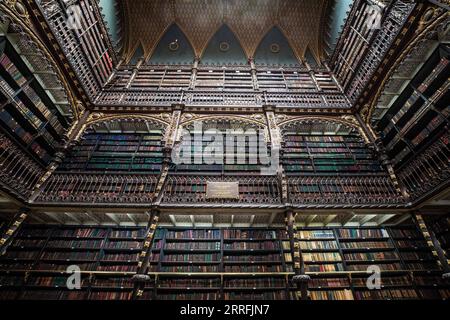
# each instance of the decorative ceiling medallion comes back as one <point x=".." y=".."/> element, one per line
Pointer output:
<point x="224" y="46"/>
<point x="174" y="46"/>
<point x="275" y="48"/>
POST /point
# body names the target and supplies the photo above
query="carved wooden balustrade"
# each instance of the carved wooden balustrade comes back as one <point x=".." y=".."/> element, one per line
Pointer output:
<point x="343" y="191"/>
<point x="18" y="172"/>
<point x="429" y="169"/>
<point x="255" y="191"/>
<point x="207" y="98"/>
<point x="99" y="188"/>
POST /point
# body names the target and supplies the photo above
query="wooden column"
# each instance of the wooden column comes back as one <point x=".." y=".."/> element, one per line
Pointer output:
<point x="433" y="243"/>
<point x="300" y="278"/>
<point x="254" y="74"/>
<point x="194" y="73"/>
<point x="142" y="277"/>
<point x="13" y="228"/>
<point x="135" y="73"/>
<point x="171" y="137"/>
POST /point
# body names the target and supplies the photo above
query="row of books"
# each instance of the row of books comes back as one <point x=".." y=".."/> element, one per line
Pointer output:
<point x="267" y="295"/>
<point x="191" y="246"/>
<point x="213" y="257"/>
<point x="130" y="234"/>
<point x="80" y="233"/>
<point x="322" y="256"/>
<point x="362" y="233"/>
<point x="267" y="245"/>
<point x="332" y="295"/>
<point x="382" y="266"/>
<point x="74" y="256"/>
<point x="193" y="234"/>
<point x="405" y="233"/>
<point x="367" y="245"/>
<point x="255" y="283"/>
<point x="13" y="71"/>
<point x="253" y="234"/>
<point x="329" y="267"/>
<point x="333" y="168"/>
<point x="189" y="283"/>
<point x="391" y="294"/>
<point x="253" y="258"/>
<point x="319" y="245"/>
<point x="371" y="256"/>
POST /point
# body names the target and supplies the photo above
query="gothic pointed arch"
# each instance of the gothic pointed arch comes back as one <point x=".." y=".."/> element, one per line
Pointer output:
<point x="310" y="58"/>
<point x="173" y="48"/>
<point x="224" y="48"/>
<point x="139" y="53"/>
<point x="275" y="50"/>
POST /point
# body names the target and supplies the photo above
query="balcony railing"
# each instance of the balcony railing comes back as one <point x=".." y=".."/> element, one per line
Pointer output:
<point x="429" y="169"/>
<point x="99" y="188"/>
<point x="343" y="191"/>
<point x="191" y="190"/>
<point x="18" y="172"/>
<point x="208" y="98"/>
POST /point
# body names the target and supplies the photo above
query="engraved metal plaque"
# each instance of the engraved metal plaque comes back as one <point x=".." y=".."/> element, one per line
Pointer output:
<point x="222" y="190"/>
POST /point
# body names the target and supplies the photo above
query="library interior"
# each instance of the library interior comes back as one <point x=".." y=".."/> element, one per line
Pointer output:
<point x="224" y="150"/>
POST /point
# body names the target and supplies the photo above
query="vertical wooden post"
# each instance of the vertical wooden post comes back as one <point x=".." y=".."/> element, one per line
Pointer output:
<point x="300" y="278"/>
<point x="141" y="277"/>
<point x="13" y="228"/>
<point x="433" y="243"/>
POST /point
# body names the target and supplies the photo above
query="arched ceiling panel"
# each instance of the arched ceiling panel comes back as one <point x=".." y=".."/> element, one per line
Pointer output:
<point x="275" y="49"/>
<point x="300" y="20"/>
<point x="146" y="22"/>
<point x="250" y="20"/>
<point x="199" y="19"/>
<point x="174" y="48"/>
<point x="224" y="49"/>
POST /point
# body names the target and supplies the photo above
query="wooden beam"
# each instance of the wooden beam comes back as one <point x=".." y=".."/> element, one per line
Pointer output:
<point x="329" y="219"/>
<point x="310" y="219"/>
<point x="252" y="220"/>
<point x="173" y="220"/>
<point x="348" y="218"/>
<point x="272" y="218"/>
<point x="54" y="217"/>
<point x="113" y="217"/>
<point x="367" y="219"/>
<point x="385" y="218"/>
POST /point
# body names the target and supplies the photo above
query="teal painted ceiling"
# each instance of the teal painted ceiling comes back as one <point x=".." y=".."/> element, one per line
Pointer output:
<point x="224" y="49"/>
<point x="173" y="48"/>
<point x="109" y="10"/>
<point x="337" y="19"/>
<point x="274" y="50"/>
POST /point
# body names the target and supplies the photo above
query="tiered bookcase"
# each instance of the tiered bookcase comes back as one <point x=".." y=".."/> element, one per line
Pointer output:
<point x="420" y="114"/>
<point x="344" y="152"/>
<point x="112" y="253"/>
<point x="28" y="115"/>
<point x="125" y="152"/>
<point x="228" y="264"/>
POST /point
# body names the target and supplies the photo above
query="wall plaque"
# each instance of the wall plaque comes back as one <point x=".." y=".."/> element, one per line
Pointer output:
<point x="222" y="190"/>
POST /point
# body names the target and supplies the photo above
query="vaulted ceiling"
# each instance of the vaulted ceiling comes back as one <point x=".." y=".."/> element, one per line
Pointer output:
<point x="302" y="24"/>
